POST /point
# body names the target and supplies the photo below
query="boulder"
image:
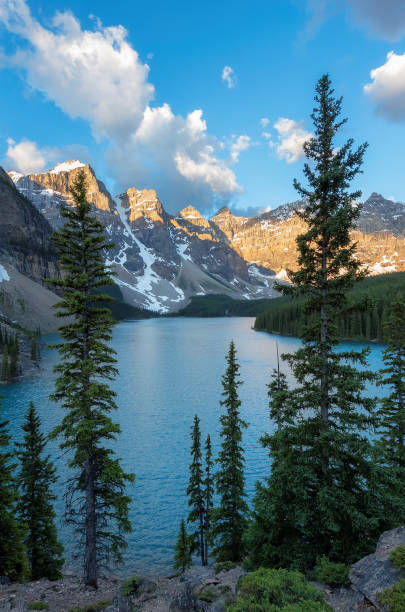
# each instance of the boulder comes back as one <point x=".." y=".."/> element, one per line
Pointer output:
<point x="344" y="599"/>
<point x="199" y="589"/>
<point x="375" y="573"/>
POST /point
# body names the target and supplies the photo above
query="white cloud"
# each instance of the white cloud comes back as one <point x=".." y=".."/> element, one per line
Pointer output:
<point x="266" y="135"/>
<point x="264" y="122"/>
<point x="98" y="76"/>
<point x="95" y="75"/>
<point x="220" y="178"/>
<point x="178" y="156"/>
<point x="291" y="138"/>
<point x="387" y="88"/>
<point x="229" y="76"/>
<point x="26" y="157"/>
<point x="241" y="143"/>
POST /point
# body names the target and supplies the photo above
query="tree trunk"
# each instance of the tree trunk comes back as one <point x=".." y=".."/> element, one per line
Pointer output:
<point x="324" y="332"/>
<point x="202" y="546"/>
<point x="91" y="528"/>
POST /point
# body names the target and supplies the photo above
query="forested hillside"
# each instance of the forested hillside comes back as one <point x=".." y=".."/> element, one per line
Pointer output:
<point x="217" y="305"/>
<point x="285" y="316"/>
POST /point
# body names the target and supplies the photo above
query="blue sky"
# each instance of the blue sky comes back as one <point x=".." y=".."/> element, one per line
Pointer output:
<point x="172" y="95"/>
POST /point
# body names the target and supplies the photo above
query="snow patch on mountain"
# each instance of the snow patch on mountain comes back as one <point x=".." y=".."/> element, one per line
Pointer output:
<point x="3" y="274"/>
<point x="148" y="282"/>
<point x="15" y="176"/>
<point x="67" y="166"/>
<point x="282" y="275"/>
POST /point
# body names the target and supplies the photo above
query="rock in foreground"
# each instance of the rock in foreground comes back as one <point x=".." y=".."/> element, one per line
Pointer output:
<point x="375" y="573"/>
<point x="199" y="588"/>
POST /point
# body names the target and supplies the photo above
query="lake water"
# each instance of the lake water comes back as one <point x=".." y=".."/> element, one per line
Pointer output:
<point x="170" y="369"/>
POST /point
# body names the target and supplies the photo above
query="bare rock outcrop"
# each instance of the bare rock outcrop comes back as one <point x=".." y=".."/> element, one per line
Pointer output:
<point x="25" y="235"/>
<point x="375" y="573"/>
<point x="198" y="589"/>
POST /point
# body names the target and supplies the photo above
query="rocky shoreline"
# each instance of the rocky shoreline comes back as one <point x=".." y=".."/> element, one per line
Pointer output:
<point x="198" y="589"/>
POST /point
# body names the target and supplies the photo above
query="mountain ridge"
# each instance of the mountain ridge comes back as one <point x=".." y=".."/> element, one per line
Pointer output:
<point x="161" y="260"/>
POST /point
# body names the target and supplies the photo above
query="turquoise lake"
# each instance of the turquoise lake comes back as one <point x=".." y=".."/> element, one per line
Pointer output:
<point x="170" y="369"/>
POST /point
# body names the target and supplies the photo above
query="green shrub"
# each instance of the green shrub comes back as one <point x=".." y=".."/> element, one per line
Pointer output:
<point x="208" y="595"/>
<point x="130" y="586"/>
<point x="270" y="590"/>
<point x="394" y="597"/>
<point x="334" y="574"/>
<point x="38" y="605"/>
<point x="224" y="566"/>
<point x="397" y="557"/>
<point x="99" y="605"/>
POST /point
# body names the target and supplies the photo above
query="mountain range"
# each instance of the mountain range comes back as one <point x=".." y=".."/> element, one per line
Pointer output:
<point x="160" y="259"/>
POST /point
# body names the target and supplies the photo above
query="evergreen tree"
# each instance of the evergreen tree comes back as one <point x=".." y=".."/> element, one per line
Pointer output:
<point x="326" y="466"/>
<point x="277" y="392"/>
<point x="95" y="499"/>
<point x="34" y="349"/>
<point x="182" y="557"/>
<point x="273" y="531"/>
<point x="5" y="366"/>
<point x="195" y="491"/>
<point x="14" y="356"/>
<point x="229" y="519"/>
<point x="13" y="560"/>
<point x="208" y="495"/>
<point x="35" y="506"/>
<point x="391" y="444"/>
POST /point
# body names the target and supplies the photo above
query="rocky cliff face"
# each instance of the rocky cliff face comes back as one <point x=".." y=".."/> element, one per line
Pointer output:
<point x="269" y="240"/>
<point x="162" y="259"/>
<point x="24" y="234"/>
<point x="27" y="258"/>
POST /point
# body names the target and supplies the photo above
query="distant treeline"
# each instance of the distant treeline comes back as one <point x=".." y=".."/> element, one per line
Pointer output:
<point x="217" y="305"/>
<point x="120" y="310"/>
<point x="9" y="355"/>
<point x="286" y="317"/>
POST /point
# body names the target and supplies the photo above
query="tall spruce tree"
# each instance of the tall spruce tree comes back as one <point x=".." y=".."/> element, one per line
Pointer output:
<point x="13" y="560"/>
<point x="35" y="506"/>
<point x="195" y="491"/>
<point x="331" y="507"/>
<point x="208" y="495"/>
<point x="95" y="501"/>
<point x="5" y="364"/>
<point x="230" y="517"/>
<point x="273" y="531"/>
<point x="182" y="557"/>
<point x="391" y="444"/>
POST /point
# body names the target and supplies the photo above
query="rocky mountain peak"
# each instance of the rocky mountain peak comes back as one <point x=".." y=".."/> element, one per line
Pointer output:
<point x="6" y="178"/>
<point x="47" y="190"/>
<point x="193" y="216"/>
<point x="67" y="166"/>
<point x="190" y="213"/>
<point x="142" y="203"/>
<point x="375" y="199"/>
<point x="224" y="210"/>
<point x="227" y="215"/>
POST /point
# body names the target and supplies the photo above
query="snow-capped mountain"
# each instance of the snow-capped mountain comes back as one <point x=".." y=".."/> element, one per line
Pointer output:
<point x="269" y="240"/>
<point x="162" y="259"/>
